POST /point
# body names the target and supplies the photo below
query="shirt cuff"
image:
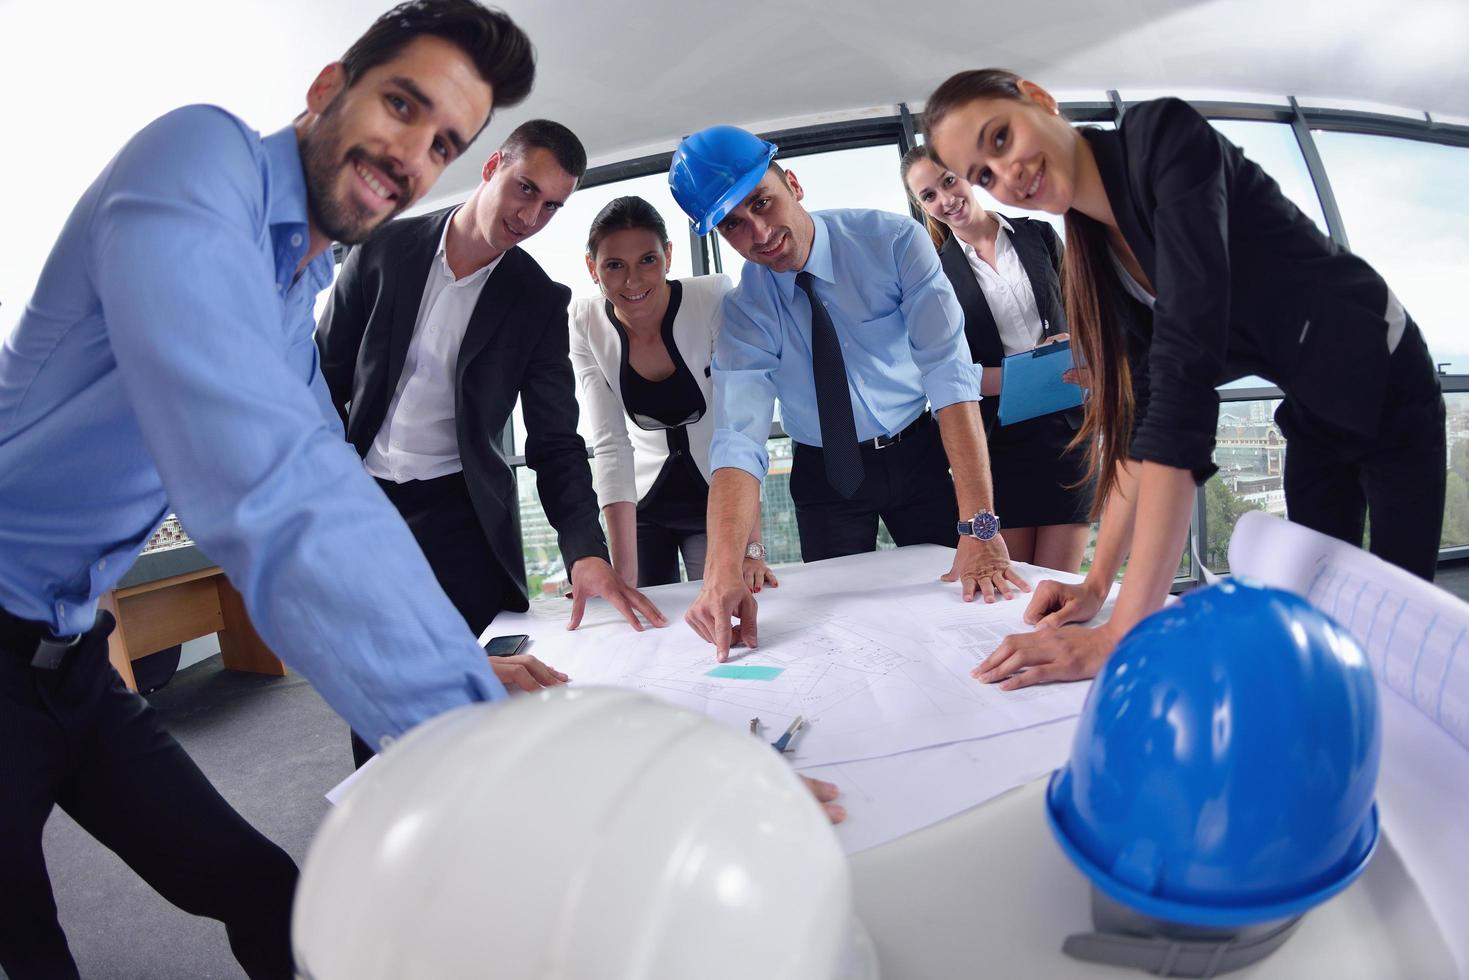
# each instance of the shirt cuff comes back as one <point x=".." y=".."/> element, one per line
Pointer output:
<point x="731" y="448"/>
<point x="1180" y="450"/>
<point x="952" y="382"/>
<point x="1180" y="427"/>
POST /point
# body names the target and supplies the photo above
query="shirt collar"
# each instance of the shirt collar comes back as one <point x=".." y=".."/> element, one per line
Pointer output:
<point x="286" y="210"/>
<point x="287" y="178"/>
<point x="818" y="263"/>
<point x="441" y="258"/>
<point x="1000" y="240"/>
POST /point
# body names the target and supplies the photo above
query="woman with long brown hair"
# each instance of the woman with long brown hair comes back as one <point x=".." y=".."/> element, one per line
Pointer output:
<point x="1006" y="275"/>
<point x="1186" y="267"/>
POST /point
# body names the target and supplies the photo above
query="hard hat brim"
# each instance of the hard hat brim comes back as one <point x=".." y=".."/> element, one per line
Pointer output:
<point x="732" y="197"/>
<point x="1191" y="913"/>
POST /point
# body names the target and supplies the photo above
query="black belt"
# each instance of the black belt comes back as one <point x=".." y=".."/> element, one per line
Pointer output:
<point x="35" y="642"/>
<point x="882" y="442"/>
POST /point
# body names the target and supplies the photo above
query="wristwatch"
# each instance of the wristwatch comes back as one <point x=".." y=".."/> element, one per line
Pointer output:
<point x="983" y="526"/>
<point x="755" y="550"/>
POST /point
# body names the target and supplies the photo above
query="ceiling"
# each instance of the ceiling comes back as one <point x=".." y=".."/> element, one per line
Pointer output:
<point x="631" y="78"/>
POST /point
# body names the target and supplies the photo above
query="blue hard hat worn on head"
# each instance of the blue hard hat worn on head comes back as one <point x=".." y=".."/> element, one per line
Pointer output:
<point x="1225" y="762"/>
<point x="714" y="169"/>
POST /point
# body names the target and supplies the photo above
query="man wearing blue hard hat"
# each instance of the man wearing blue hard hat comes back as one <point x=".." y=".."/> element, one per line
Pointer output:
<point x="846" y="317"/>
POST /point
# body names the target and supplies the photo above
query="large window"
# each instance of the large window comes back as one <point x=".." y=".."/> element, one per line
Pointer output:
<point x="1456" y="496"/>
<point x="1250" y="453"/>
<point x="1274" y="147"/>
<point x="1405" y="205"/>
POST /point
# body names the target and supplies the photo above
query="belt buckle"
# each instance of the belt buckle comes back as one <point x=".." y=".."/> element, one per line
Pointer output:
<point x="51" y="653"/>
<point x="883" y="442"/>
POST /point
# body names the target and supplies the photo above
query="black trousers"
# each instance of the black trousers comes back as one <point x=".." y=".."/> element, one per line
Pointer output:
<point x="1334" y="480"/>
<point x="908" y="485"/>
<point x="77" y="738"/>
<point x="671" y="518"/>
<point x="442" y="518"/>
<point x="659" y="545"/>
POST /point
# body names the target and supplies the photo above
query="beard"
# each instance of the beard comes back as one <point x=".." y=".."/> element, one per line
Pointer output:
<point x="334" y="211"/>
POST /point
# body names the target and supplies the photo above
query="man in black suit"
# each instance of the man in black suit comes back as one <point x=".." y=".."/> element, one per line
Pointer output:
<point x="435" y="326"/>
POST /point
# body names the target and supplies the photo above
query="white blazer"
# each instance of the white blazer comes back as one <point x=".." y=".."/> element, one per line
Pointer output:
<point x="627" y="458"/>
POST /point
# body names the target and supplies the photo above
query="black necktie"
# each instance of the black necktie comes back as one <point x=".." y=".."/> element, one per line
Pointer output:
<point x="833" y="400"/>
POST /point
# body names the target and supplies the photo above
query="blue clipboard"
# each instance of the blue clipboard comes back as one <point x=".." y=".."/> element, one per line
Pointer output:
<point x="1031" y="385"/>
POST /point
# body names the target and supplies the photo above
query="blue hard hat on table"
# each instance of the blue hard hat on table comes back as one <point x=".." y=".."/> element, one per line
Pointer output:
<point x="714" y="169"/>
<point x="1225" y="762"/>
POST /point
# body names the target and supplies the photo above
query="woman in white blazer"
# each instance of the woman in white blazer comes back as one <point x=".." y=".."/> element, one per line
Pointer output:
<point x="641" y="353"/>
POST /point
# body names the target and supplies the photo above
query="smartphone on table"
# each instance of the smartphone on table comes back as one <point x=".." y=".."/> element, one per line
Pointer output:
<point x="506" y="646"/>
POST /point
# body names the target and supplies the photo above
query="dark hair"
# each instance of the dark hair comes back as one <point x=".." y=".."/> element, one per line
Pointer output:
<point x="1087" y="282"/>
<point x="543" y="134"/>
<point x="500" y="50"/>
<point x="964" y="88"/>
<point x="623" y="214"/>
<point x="937" y="230"/>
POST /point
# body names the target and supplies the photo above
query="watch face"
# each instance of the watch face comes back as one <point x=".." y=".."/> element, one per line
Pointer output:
<point x="986" y="525"/>
<point x="755" y="551"/>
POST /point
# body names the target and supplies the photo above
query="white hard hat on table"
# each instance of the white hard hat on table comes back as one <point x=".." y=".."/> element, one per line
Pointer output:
<point x="574" y="835"/>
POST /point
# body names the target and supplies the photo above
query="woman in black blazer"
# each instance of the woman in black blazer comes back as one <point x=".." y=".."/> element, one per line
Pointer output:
<point x="1186" y="267"/>
<point x="1006" y="274"/>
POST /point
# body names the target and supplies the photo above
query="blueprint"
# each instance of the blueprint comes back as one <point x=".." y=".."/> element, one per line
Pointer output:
<point x="894" y="796"/>
<point x="1415" y="635"/>
<point x="872" y="651"/>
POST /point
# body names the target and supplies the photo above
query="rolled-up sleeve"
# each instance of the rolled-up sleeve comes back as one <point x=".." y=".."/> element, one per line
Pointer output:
<point x="746" y="355"/>
<point x="935" y="322"/>
<point x="1186" y="356"/>
<point x="331" y="576"/>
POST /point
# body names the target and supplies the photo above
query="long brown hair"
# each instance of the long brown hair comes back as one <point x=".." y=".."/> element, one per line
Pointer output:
<point x="937" y="230"/>
<point x="1091" y="308"/>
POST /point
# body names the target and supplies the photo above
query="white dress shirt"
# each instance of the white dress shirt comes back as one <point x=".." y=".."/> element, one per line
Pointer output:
<point x="1129" y="282"/>
<point x="1006" y="289"/>
<point x="418" y="439"/>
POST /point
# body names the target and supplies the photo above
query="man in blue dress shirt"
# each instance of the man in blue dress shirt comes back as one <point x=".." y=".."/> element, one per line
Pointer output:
<point x="847" y="318"/>
<point x="166" y="363"/>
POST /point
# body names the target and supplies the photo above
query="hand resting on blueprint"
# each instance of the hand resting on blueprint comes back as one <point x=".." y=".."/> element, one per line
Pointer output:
<point x="593" y="576"/>
<point x="1052" y="653"/>
<point x="825" y="793"/>
<point x="522" y="672"/>
<point x="758" y="574"/>
<point x="984" y="567"/>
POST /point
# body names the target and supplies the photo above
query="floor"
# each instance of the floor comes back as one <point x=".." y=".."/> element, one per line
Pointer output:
<point x="273" y="748"/>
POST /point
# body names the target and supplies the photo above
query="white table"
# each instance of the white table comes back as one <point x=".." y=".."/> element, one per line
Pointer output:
<point x="988" y="893"/>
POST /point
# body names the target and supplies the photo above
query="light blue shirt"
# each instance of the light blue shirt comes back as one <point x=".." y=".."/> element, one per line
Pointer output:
<point x="166" y="363"/>
<point x="899" y="323"/>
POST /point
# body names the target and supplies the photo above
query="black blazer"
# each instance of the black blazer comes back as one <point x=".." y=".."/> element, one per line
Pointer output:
<point x="1040" y="254"/>
<point x="515" y="345"/>
<point x="1246" y="283"/>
